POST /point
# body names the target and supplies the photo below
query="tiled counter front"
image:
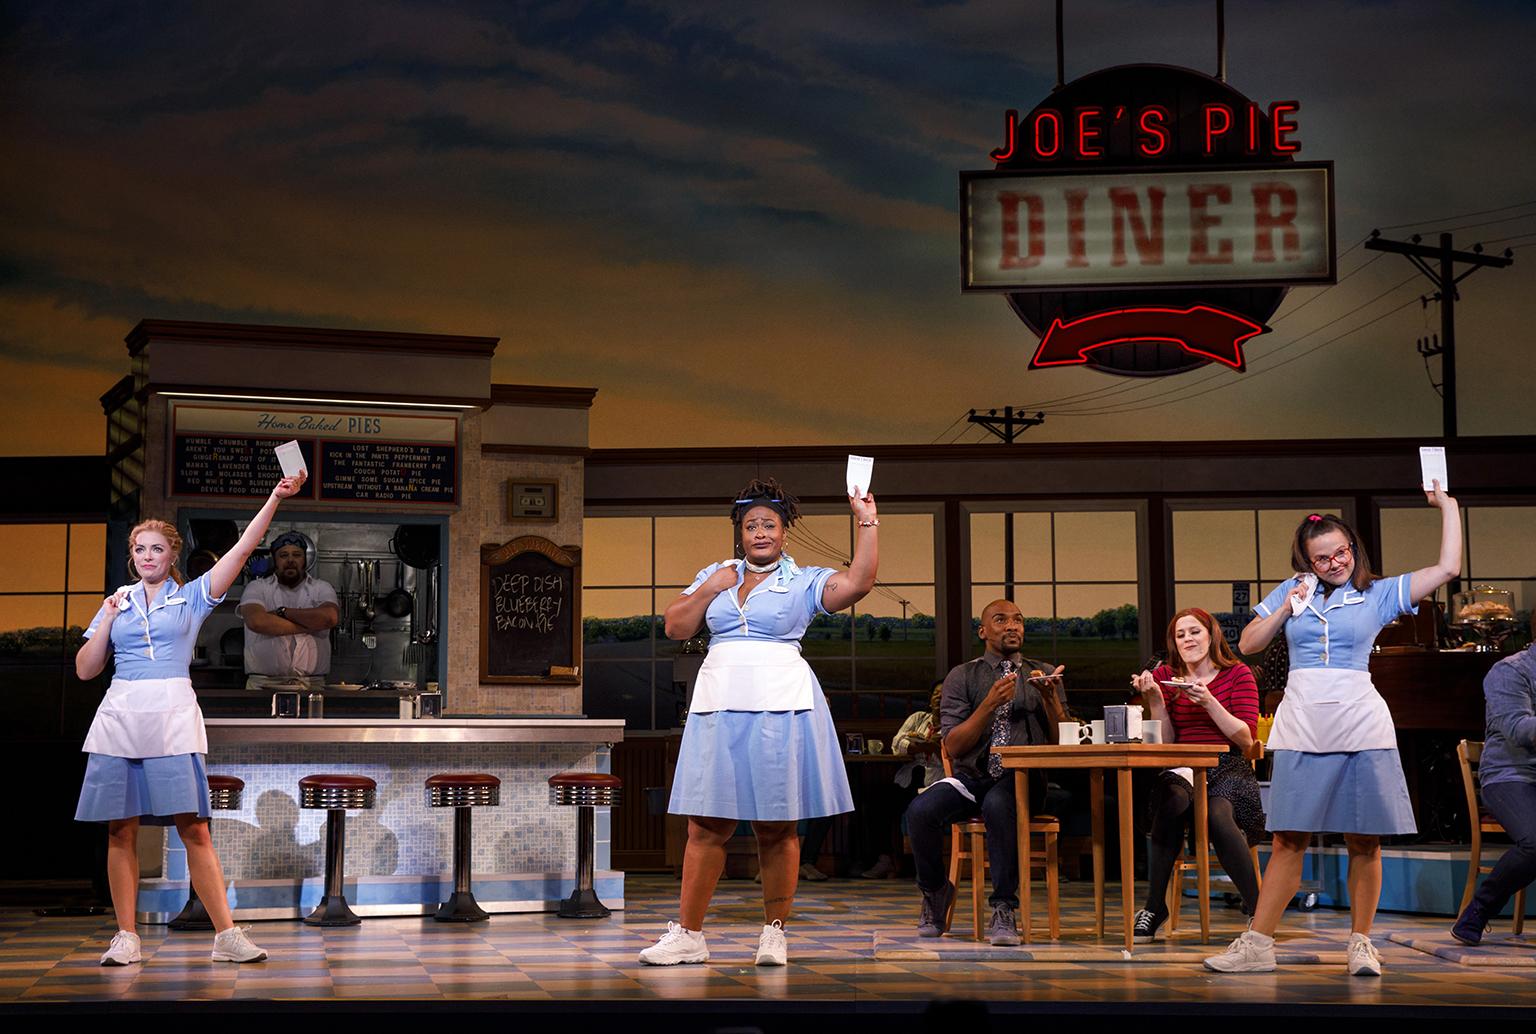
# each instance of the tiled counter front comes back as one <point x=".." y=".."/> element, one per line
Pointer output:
<point x="399" y="855"/>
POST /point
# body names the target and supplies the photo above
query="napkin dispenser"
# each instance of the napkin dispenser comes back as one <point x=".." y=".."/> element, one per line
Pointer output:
<point x="1122" y="723"/>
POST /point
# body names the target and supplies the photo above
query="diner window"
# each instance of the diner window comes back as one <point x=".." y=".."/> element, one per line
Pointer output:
<point x="49" y="599"/>
<point x="1074" y="574"/>
<point x="1221" y="554"/>
<point x="46" y="603"/>
<point x="875" y="659"/>
<point x="1496" y="549"/>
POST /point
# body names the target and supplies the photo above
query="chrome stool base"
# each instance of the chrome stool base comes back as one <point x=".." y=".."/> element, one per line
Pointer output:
<point x="224" y="793"/>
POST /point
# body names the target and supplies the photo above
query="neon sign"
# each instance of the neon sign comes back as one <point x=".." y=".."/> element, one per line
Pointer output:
<point x="1198" y="329"/>
<point x="1050" y="134"/>
<point x="1147" y="220"/>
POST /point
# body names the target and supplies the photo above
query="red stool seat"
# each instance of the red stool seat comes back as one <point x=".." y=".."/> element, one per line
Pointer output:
<point x="595" y="779"/>
<point x="337" y="782"/>
<point x="463" y="790"/>
<point x="224" y="792"/>
<point x="590" y="789"/>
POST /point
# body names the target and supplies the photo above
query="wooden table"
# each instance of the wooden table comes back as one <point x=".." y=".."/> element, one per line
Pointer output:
<point x="1122" y="757"/>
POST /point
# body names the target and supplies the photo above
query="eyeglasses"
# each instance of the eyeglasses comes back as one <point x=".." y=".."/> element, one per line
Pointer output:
<point x="1338" y="559"/>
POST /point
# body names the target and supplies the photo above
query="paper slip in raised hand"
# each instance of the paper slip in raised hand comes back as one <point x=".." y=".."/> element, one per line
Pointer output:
<point x="1432" y="467"/>
<point x="291" y="458"/>
<point x="860" y="468"/>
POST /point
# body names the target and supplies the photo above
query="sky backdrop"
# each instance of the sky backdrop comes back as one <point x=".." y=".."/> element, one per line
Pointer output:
<point x="737" y="221"/>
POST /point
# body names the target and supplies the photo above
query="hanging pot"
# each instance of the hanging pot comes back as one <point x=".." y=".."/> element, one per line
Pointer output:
<point x="416" y="545"/>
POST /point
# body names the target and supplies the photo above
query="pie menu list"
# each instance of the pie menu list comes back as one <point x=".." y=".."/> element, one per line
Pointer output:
<point x="348" y="471"/>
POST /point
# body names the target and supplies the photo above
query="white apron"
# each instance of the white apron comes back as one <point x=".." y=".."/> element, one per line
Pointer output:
<point x="148" y="718"/>
<point x="1332" y="710"/>
<point x="753" y="675"/>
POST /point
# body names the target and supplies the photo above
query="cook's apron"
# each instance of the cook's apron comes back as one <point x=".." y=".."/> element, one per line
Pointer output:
<point x="753" y="675"/>
<point x="148" y="718"/>
<point x="1332" y="710"/>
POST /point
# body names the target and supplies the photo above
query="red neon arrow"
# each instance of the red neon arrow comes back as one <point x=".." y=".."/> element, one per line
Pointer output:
<point x="1199" y="329"/>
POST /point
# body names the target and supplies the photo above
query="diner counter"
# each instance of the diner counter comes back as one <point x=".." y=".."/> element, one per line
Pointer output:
<point x="248" y="731"/>
<point x="399" y="853"/>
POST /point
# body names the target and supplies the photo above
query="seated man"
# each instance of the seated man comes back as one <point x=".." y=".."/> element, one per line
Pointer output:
<point x="1507" y="775"/>
<point x="288" y="617"/>
<point x="984" y="702"/>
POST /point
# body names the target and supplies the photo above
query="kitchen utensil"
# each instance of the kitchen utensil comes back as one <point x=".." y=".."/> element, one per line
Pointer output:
<point x="417" y="545"/>
<point x="426" y="628"/>
<point x="399" y="602"/>
<point x="316" y="702"/>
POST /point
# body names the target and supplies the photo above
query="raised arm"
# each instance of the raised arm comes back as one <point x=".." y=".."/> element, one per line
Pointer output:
<point x="1427" y="580"/>
<point x="228" y="568"/>
<point x="846" y="588"/>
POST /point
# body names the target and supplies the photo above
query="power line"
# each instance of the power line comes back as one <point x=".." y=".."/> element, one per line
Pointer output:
<point x="946" y="430"/>
<point x="1462" y="215"/>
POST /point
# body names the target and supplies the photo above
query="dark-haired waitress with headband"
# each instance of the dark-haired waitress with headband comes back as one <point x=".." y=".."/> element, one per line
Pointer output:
<point x="1336" y="768"/>
<point x="760" y="745"/>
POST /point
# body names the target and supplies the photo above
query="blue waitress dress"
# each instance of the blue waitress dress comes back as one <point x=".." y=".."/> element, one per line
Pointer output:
<point x="760" y="743"/>
<point x="147" y="742"/>
<point x="1333" y="744"/>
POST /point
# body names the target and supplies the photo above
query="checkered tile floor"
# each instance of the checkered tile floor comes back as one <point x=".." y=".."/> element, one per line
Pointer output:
<point x="851" y="941"/>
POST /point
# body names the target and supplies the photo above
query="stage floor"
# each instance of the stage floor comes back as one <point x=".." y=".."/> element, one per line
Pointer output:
<point x="852" y="949"/>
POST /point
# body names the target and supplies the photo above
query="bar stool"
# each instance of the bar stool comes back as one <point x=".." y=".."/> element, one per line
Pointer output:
<point x="462" y="792"/>
<point x="223" y="795"/>
<point x="336" y="794"/>
<point x="584" y="791"/>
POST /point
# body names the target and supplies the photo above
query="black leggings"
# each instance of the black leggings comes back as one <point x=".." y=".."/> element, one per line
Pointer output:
<point x="1173" y="802"/>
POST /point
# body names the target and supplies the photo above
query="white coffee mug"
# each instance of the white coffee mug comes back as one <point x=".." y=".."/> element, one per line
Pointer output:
<point x="1069" y="734"/>
<point x="1151" y="730"/>
<point x="1098" y="730"/>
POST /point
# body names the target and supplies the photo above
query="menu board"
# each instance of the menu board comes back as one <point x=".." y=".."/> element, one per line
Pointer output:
<point x="224" y="465"/>
<point x="530" y="625"/>
<point x="387" y="471"/>
<point x="352" y="456"/>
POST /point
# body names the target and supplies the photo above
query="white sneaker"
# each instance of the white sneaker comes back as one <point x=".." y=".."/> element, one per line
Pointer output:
<point x="1250" y="953"/>
<point x="234" y="946"/>
<point x="1363" y="959"/>
<point x="676" y="945"/>
<point x="771" y="949"/>
<point x="124" y="950"/>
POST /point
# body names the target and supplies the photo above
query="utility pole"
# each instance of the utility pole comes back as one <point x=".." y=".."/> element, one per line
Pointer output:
<point x="1445" y="279"/>
<point x="1008" y="426"/>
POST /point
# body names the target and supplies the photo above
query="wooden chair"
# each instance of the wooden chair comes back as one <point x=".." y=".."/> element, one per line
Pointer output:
<point x="1469" y="753"/>
<point x="1184" y="867"/>
<point x="968" y="844"/>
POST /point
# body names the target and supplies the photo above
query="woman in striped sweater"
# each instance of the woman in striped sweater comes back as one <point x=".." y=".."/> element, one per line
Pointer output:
<point x="1214" y="700"/>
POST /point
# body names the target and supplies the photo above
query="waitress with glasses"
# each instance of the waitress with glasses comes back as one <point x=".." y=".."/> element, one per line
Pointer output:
<point x="1334" y="748"/>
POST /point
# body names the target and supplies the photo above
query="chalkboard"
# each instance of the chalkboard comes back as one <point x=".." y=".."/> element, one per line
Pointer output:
<point x="530" y="612"/>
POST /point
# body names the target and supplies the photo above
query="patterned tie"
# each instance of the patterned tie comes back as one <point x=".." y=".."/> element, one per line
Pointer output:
<point x="1001" y="726"/>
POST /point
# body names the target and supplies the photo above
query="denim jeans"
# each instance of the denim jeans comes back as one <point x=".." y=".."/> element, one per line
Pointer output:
<point x="941" y="806"/>
<point x="1514" y="805"/>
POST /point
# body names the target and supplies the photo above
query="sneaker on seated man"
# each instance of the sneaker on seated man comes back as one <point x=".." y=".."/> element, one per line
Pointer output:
<point x="984" y="702"/>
